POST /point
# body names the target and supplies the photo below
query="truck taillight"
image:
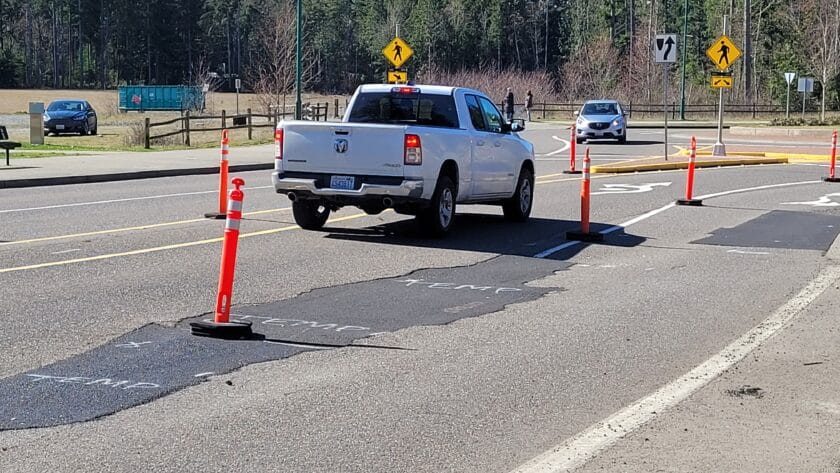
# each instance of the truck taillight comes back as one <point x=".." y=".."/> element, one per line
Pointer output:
<point x="413" y="150"/>
<point x="278" y="143"/>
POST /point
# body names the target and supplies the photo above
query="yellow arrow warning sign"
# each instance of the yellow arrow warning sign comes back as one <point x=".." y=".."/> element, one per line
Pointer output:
<point x="397" y="52"/>
<point x="723" y="52"/>
<point x="721" y="82"/>
<point x="397" y="77"/>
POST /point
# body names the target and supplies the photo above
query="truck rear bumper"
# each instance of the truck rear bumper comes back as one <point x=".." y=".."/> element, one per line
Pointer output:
<point x="308" y="187"/>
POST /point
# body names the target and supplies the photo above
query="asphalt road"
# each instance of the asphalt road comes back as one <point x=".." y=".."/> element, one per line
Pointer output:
<point x="385" y="351"/>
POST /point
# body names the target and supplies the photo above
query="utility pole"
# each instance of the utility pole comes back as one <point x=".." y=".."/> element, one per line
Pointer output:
<point x="684" y="47"/>
<point x="299" y="28"/>
<point x="748" y="92"/>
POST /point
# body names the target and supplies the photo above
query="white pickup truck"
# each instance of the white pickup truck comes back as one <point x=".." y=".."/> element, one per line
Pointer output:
<point x="418" y="149"/>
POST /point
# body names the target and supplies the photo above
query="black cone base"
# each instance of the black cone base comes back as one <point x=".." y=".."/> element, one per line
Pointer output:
<point x="215" y="215"/>
<point x="694" y="202"/>
<point x="226" y="331"/>
<point x="585" y="236"/>
<point x="569" y="171"/>
<point x="831" y="179"/>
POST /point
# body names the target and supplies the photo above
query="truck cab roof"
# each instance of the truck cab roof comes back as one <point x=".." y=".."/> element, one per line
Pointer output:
<point x="426" y="89"/>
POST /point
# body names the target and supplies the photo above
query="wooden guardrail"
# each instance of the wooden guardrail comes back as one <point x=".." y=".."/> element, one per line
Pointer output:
<point x="318" y="111"/>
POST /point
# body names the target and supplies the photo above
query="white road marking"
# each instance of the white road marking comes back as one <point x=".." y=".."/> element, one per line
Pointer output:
<point x="629" y="188"/>
<point x="581" y="448"/>
<point x="201" y="375"/>
<point x="824" y="201"/>
<point x="127" y="199"/>
<point x="566" y="145"/>
<point x="742" y="252"/>
<point x="66" y="251"/>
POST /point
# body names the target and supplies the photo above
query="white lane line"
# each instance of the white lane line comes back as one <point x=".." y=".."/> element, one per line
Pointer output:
<point x="581" y="448"/>
<point x="647" y="215"/>
<point x="127" y="199"/>
<point x="201" y="375"/>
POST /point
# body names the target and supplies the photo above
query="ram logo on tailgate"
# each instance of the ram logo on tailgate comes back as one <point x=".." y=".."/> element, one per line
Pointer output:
<point x="340" y="145"/>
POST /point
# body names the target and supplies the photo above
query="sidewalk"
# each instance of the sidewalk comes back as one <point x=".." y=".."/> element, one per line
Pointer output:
<point x="62" y="170"/>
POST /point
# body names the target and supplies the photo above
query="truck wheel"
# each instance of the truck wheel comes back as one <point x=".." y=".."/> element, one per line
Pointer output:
<point x="437" y="220"/>
<point x="310" y="215"/>
<point x="518" y="207"/>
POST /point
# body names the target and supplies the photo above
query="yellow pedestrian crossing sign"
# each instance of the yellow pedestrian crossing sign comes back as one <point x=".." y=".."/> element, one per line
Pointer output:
<point x="721" y="81"/>
<point x="723" y="52"/>
<point x="397" y="52"/>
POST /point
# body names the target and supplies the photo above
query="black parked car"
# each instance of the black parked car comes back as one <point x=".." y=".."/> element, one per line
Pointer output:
<point x="70" y="116"/>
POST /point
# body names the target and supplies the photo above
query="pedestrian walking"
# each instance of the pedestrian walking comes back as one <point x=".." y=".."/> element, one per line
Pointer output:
<point x="508" y="105"/>
<point x="529" y="102"/>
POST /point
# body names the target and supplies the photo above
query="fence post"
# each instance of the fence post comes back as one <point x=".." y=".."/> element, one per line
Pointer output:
<point x="249" y="125"/>
<point x="186" y="128"/>
<point x="146" y="143"/>
<point x="630" y="109"/>
<point x="326" y="110"/>
<point x="336" y="109"/>
<point x="753" y="105"/>
<point x="224" y="119"/>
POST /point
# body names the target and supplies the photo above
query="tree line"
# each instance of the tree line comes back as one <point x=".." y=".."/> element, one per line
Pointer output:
<point x="586" y="48"/>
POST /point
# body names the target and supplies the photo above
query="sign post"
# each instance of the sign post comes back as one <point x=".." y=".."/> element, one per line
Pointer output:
<point x="789" y="79"/>
<point x="665" y="53"/>
<point x="238" y="86"/>
<point x="723" y="53"/>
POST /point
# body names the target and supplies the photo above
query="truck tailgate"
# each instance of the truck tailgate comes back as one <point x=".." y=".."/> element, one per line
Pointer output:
<point x="343" y="148"/>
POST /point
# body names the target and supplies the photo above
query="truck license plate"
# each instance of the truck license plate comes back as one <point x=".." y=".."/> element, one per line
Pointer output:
<point x="59" y="127"/>
<point x="342" y="182"/>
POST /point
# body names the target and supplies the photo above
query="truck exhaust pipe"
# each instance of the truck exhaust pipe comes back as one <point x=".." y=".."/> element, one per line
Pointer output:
<point x="388" y="202"/>
<point x="292" y="196"/>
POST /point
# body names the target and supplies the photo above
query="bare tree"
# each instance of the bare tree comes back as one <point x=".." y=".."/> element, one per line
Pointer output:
<point x="274" y="75"/>
<point x="822" y="20"/>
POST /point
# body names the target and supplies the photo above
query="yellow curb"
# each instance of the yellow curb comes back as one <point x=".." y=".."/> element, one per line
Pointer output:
<point x="761" y="154"/>
<point x="617" y="168"/>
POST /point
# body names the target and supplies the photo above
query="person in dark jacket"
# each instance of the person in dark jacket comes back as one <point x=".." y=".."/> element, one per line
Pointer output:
<point x="508" y="104"/>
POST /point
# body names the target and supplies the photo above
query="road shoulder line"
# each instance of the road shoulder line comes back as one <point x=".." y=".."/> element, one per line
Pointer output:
<point x="578" y="450"/>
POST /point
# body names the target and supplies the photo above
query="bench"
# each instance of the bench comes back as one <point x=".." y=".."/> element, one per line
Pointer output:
<point x="6" y="144"/>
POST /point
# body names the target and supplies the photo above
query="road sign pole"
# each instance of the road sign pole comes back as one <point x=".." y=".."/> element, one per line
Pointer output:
<point x="682" y="68"/>
<point x="298" y="66"/>
<point x="787" y="106"/>
<point x="665" y="103"/>
<point x="720" y="148"/>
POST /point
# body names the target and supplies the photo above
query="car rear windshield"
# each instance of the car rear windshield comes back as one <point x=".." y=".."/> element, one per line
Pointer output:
<point x="66" y="105"/>
<point x="408" y="108"/>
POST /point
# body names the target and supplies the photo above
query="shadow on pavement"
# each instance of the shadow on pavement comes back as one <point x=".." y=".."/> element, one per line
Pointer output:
<point x="486" y="233"/>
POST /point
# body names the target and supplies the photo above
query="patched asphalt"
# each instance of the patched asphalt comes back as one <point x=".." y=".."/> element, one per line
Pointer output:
<point x="780" y="229"/>
<point x="154" y="360"/>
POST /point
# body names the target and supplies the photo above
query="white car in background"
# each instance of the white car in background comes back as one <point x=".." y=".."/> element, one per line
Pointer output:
<point x="601" y="119"/>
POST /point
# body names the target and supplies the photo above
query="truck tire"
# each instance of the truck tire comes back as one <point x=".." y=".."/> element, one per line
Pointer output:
<point x="518" y="207"/>
<point x="437" y="220"/>
<point x="310" y="214"/>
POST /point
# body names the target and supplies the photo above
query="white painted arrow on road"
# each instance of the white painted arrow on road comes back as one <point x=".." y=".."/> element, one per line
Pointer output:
<point x="824" y="201"/>
<point x="629" y="188"/>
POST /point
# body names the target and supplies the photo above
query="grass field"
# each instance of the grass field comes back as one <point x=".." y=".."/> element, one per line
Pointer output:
<point x="124" y="131"/>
